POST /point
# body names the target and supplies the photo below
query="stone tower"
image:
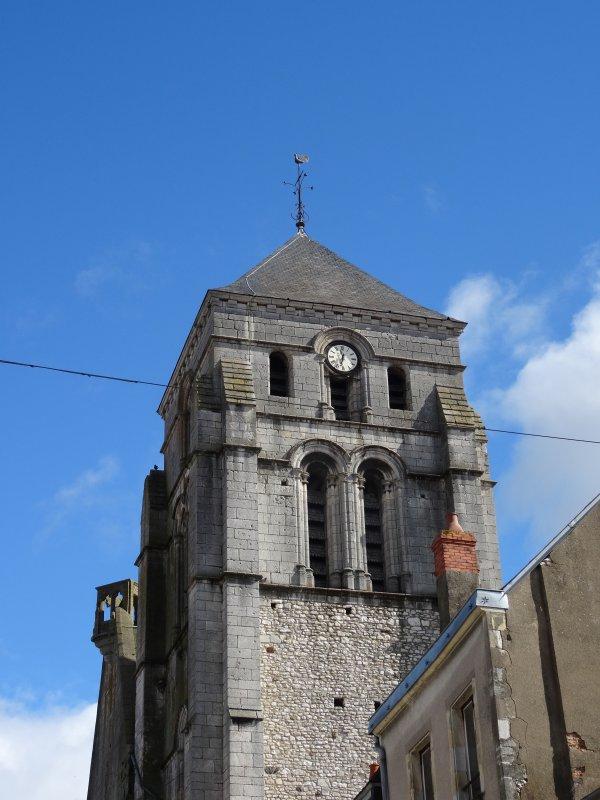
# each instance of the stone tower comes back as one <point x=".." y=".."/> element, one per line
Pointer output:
<point x="316" y="435"/>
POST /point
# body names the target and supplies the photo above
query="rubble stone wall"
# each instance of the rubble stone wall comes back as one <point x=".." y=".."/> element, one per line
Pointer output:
<point x="327" y="659"/>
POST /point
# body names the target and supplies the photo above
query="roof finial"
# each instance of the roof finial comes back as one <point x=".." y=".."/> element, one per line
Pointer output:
<point x="300" y="216"/>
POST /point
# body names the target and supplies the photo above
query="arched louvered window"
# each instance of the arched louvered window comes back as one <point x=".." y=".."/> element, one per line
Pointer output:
<point x="374" y="528"/>
<point x="397" y="388"/>
<point x="317" y="522"/>
<point x="340" y="397"/>
<point x="278" y="375"/>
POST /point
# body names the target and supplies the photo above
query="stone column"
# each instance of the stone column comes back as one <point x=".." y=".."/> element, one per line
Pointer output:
<point x="367" y="410"/>
<point x="336" y="544"/>
<point x="304" y="573"/>
<point x="362" y="577"/>
<point x="327" y="411"/>
<point x="347" y="529"/>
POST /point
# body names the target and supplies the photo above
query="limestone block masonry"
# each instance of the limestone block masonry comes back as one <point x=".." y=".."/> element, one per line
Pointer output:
<point x="286" y="578"/>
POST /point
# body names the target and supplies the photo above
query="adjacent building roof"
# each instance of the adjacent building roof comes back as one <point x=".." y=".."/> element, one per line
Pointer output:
<point x="302" y="269"/>
<point x="481" y="598"/>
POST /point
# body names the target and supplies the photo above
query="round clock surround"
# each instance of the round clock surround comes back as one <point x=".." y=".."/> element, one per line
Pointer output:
<point x="342" y="358"/>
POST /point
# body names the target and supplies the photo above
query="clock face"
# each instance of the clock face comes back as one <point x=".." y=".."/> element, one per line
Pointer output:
<point x="342" y="358"/>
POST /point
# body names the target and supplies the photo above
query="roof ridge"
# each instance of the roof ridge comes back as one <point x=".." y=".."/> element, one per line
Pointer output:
<point x="270" y="258"/>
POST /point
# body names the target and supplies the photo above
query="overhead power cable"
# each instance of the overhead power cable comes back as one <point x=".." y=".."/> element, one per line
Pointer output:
<point x="86" y="374"/>
<point x="544" y="436"/>
<point x="141" y="382"/>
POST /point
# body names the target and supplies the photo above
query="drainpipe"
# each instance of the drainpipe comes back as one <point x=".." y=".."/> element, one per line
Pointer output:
<point x="382" y="768"/>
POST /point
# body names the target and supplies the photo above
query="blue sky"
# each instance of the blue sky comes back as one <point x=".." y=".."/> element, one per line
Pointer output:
<point x="454" y="151"/>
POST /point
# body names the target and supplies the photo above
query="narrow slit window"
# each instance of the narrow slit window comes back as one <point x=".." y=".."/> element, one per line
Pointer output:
<point x="397" y="388"/>
<point x="339" y="397"/>
<point x="317" y="523"/>
<point x="278" y="375"/>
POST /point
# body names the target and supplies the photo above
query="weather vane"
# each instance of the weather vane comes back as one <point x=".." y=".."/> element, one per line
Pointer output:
<point x="300" y="216"/>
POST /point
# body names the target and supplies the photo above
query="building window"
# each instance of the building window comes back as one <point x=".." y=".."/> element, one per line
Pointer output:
<point x="397" y="388"/>
<point x="374" y="529"/>
<point x="423" y="773"/>
<point x="278" y="375"/>
<point x="465" y="751"/>
<point x="317" y="522"/>
<point x="339" y="397"/>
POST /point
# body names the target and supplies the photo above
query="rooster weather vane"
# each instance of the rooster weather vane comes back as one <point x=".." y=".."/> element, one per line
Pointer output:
<point x="300" y="216"/>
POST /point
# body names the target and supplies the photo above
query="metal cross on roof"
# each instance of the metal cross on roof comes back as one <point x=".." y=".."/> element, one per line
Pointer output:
<point x="300" y="216"/>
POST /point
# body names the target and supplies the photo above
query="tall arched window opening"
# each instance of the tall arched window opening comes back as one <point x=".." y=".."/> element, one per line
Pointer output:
<point x="372" y="494"/>
<point x="397" y="388"/>
<point x="278" y="375"/>
<point x="317" y="522"/>
<point x="340" y="397"/>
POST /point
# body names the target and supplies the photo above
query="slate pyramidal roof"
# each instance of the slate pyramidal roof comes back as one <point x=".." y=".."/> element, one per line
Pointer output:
<point x="304" y="270"/>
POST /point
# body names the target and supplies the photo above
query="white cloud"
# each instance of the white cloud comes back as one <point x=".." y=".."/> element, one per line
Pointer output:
<point x="126" y="268"/>
<point x="496" y="314"/>
<point x="550" y="387"/>
<point x="89" y="281"/>
<point x="432" y="197"/>
<point x="45" y="755"/>
<point x="84" y="492"/>
<point x="556" y="392"/>
<point x="81" y="489"/>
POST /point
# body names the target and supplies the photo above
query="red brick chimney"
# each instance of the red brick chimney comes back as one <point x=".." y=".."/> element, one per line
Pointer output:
<point x="456" y="568"/>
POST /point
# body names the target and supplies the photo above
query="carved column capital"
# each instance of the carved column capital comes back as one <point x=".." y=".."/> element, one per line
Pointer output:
<point x="334" y="479"/>
<point x="300" y="474"/>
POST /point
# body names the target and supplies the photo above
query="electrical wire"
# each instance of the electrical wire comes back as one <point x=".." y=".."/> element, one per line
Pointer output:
<point x="141" y="382"/>
<point x="544" y="436"/>
<point x="86" y="374"/>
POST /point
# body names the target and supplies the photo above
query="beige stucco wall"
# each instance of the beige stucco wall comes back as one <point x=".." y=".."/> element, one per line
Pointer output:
<point x="554" y="667"/>
<point x="429" y="714"/>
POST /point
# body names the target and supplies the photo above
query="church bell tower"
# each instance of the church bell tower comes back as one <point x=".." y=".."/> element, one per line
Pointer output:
<point x="317" y="434"/>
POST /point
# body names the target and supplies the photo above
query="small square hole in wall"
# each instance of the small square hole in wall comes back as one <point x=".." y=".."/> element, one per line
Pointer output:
<point x="349" y="610"/>
<point x="338" y="702"/>
<point x="377" y="704"/>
